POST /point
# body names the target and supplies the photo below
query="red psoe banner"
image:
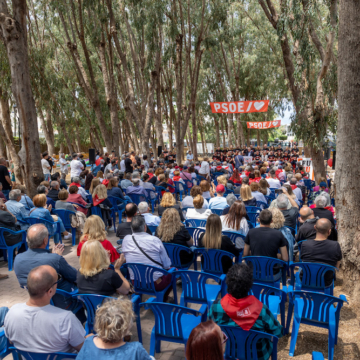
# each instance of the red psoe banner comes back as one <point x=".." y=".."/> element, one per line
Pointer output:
<point x="264" y="125"/>
<point x="236" y="107"/>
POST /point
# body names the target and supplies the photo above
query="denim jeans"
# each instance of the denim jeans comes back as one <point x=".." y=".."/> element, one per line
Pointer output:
<point x="3" y="311"/>
<point x="6" y="193"/>
<point x="47" y="177"/>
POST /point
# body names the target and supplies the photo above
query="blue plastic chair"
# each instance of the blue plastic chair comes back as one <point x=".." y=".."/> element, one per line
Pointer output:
<point x="293" y="231"/>
<point x="212" y="259"/>
<point x="174" y="250"/>
<point x="96" y="210"/>
<point x="318" y="310"/>
<point x="8" y="251"/>
<point x="173" y="323"/>
<point x="263" y="270"/>
<point x="196" y="223"/>
<point x="253" y="217"/>
<point x="236" y="237"/>
<point x="195" y="289"/>
<point x="218" y="211"/>
<point x="136" y="198"/>
<point x="152" y="228"/>
<point x="195" y="233"/>
<point x="241" y="344"/>
<point x="66" y="294"/>
<point x="92" y="302"/>
<point x="261" y="205"/>
<point x="150" y="200"/>
<point x="317" y="356"/>
<point x="4" y="351"/>
<point x="27" y="355"/>
<point x="144" y="280"/>
<point x="178" y="187"/>
<point x="200" y="178"/>
<point x="32" y="220"/>
<point x="313" y="277"/>
<point x="65" y="216"/>
<point x="269" y="199"/>
<point x="299" y="247"/>
<point x="250" y="224"/>
<point x="118" y="205"/>
<point x="273" y="298"/>
<point x="95" y="169"/>
<point x="254" y="209"/>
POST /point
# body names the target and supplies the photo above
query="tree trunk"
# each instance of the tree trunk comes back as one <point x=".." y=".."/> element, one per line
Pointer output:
<point x="2" y="147"/>
<point x="49" y="142"/>
<point x="248" y="131"/>
<point x="223" y="131"/>
<point x="258" y="137"/>
<point x="348" y="134"/>
<point x="318" y="164"/>
<point x="217" y="132"/>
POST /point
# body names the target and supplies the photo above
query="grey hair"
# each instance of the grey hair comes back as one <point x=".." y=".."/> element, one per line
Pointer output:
<point x="289" y="177"/>
<point x="282" y="201"/>
<point x="327" y="196"/>
<point x="135" y="175"/>
<point x="138" y="224"/>
<point x="76" y="179"/>
<point x="54" y="184"/>
<point x="275" y="168"/>
<point x="293" y="181"/>
<point x="320" y="201"/>
<point x="41" y="189"/>
<point x="230" y="199"/>
<point x="128" y="176"/>
<point x="36" y="238"/>
<point x="14" y="194"/>
<point x="102" y="161"/>
<point x="136" y="181"/>
<point x="143" y="207"/>
<point x="62" y="154"/>
<point x="122" y="157"/>
<point x="109" y="176"/>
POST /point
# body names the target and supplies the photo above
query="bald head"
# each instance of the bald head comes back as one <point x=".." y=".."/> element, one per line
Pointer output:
<point x="323" y="227"/>
<point x="37" y="236"/>
<point x="306" y="213"/>
<point x="40" y="280"/>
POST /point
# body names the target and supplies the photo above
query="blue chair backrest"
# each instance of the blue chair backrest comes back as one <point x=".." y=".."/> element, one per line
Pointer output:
<point x="27" y="355"/>
<point x="32" y="220"/>
<point x="263" y="268"/>
<point x="173" y="251"/>
<point x="217" y="174"/>
<point x="263" y="292"/>
<point x="254" y="209"/>
<point x="313" y="275"/>
<point x="136" y="198"/>
<point x="193" y="285"/>
<point x="253" y="216"/>
<point x="3" y="244"/>
<point x="199" y="177"/>
<point x="261" y="205"/>
<point x="293" y="231"/>
<point x="241" y="344"/>
<point x="195" y="223"/>
<point x="250" y="224"/>
<point x="218" y="211"/>
<point x="159" y="189"/>
<point x="269" y="199"/>
<point x="149" y="191"/>
<point x="212" y="260"/>
<point x="235" y="237"/>
<point x="195" y="233"/>
<point x="115" y="201"/>
<point x="152" y="228"/>
<point x="65" y="216"/>
<point x="299" y="246"/>
<point x="95" y="210"/>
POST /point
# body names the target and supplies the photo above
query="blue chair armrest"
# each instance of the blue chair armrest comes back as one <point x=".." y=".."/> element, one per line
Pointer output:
<point x="223" y="277"/>
<point x="317" y="356"/>
<point x="2" y="332"/>
<point x="171" y="270"/>
<point x="15" y="232"/>
<point x="193" y="248"/>
<point x="343" y="297"/>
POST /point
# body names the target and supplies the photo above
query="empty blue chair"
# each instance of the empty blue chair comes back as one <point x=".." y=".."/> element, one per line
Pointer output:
<point x="318" y="310"/>
<point x="118" y="205"/>
<point x="263" y="270"/>
<point x="144" y="280"/>
<point x="312" y="277"/>
<point x="174" y="250"/>
<point x="237" y="238"/>
<point x="92" y="302"/>
<point x="261" y="205"/>
<point x="241" y="344"/>
<point x="173" y="323"/>
<point x="195" y="233"/>
<point x="253" y="217"/>
<point x="218" y="211"/>
<point x="195" y="289"/>
<point x="253" y="209"/>
<point x="269" y="199"/>
<point x="196" y="223"/>
<point x="317" y="356"/>
<point x="8" y="251"/>
<point x="179" y="188"/>
<point x="96" y="210"/>
<point x="27" y="355"/>
<point x="152" y="228"/>
<point x="65" y="216"/>
<point x="151" y="200"/>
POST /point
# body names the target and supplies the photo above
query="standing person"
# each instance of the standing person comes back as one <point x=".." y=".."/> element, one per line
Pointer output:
<point x="190" y="156"/>
<point x="122" y="164"/>
<point x="63" y="165"/>
<point x="5" y="178"/>
<point x="76" y="167"/>
<point x="205" y="168"/>
<point x="128" y="164"/>
<point x="45" y="166"/>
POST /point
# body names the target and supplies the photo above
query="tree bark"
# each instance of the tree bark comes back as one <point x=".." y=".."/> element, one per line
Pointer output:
<point x="217" y="132"/>
<point x="348" y="134"/>
<point x="44" y="126"/>
<point x="2" y="147"/>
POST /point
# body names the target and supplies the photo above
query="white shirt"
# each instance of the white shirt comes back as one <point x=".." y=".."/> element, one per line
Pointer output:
<point x="274" y="183"/>
<point x="198" y="213"/>
<point x="218" y="202"/>
<point x="45" y="329"/>
<point x="298" y="193"/>
<point x="45" y="166"/>
<point x="188" y="201"/>
<point x="122" y="165"/>
<point x="244" y="227"/>
<point x="151" y="219"/>
<point x="63" y="165"/>
<point x="205" y="168"/>
<point x="76" y="168"/>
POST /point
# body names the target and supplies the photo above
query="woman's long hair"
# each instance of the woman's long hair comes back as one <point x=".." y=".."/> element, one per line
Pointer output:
<point x="170" y="224"/>
<point x="212" y="236"/>
<point x="263" y="186"/>
<point x="94" y="183"/>
<point x="235" y="176"/>
<point x="236" y="212"/>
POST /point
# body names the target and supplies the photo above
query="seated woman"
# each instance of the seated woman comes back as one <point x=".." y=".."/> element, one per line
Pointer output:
<point x="198" y="212"/>
<point x="257" y="175"/>
<point x="223" y="180"/>
<point x="114" y="190"/>
<point x="246" y="196"/>
<point x="94" y="275"/>
<point x="256" y="193"/>
<point x="168" y="201"/>
<point x="76" y="198"/>
<point x="100" y="176"/>
<point x="101" y="201"/>
<point x="161" y="181"/>
<point x="94" y="230"/>
<point x="171" y="230"/>
<point x="41" y="210"/>
<point x="207" y="191"/>
<point x="235" y="220"/>
<point x="235" y="177"/>
<point x="177" y="177"/>
<point x="88" y="179"/>
<point x="264" y="187"/>
<point x="328" y="203"/>
<point x="213" y="239"/>
<point x="94" y="183"/>
<point x="113" y="322"/>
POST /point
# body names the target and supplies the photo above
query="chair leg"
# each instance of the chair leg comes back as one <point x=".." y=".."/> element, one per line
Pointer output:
<point x="73" y="234"/>
<point x="289" y="316"/>
<point x="299" y="305"/>
<point x="158" y="346"/>
<point x="10" y="257"/>
<point x="152" y="342"/>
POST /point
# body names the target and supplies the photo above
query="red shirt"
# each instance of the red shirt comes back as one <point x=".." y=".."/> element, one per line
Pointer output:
<point x="77" y="199"/>
<point x="113" y="254"/>
<point x="97" y="162"/>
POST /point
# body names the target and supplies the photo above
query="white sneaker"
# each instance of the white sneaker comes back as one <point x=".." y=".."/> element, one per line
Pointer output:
<point x="67" y="236"/>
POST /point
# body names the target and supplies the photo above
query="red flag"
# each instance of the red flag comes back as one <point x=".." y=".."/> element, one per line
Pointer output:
<point x="235" y="107"/>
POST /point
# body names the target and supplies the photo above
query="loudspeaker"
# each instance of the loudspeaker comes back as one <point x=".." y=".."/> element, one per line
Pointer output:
<point x="92" y="156"/>
<point x="159" y="150"/>
<point x="334" y="159"/>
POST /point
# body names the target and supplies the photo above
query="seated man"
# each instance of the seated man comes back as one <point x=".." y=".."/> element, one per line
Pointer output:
<point x="238" y="308"/>
<point x="39" y="327"/>
<point x="126" y="182"/>
<point x="291" y="214"/>
<point x="306" y="231"/>
<point x="273" y="181"/>
<point x="150" y="219"/>
<point x="54" y="191"/>
<point x="218" y="202"/>
<point x="36" y="255"/>
<point x="245" y="181"/>
<point x="265" y="241"/>
<point x="136" y="189"/>
<point x="321" y="249"/>
<point x="16" y="208"/>
<point x="42" y="189"/>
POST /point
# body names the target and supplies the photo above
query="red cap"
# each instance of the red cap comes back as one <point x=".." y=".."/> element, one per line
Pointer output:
<point x="220" y="188"/>
<point x="176" y="167"/>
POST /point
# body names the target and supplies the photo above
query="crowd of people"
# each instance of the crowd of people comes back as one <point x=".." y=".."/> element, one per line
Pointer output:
<point x="220" y="192"/>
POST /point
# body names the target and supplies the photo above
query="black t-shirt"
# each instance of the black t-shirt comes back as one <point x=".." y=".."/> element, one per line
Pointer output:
<point x="264" y="241"/>
<point x="322" y="213"/>
<point x="124" y="229"/>
<point x="306" y="231"/>
<point x="104" y="283"/>
<point x="128" y="167"/>
<point x="226" y="245"/>
<point x="153" y="180"/>
<point x="326" y="252"/>
<point x="4" y="172"/>
<point x="291" y="216"/>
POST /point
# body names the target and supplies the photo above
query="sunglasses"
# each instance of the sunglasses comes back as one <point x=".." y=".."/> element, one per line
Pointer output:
<point x="55" y="283"/>
<point x="225" y="338"/>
